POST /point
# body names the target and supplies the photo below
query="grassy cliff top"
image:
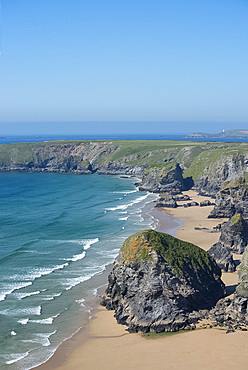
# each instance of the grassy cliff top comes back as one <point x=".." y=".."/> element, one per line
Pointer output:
<point x="180" y="255"/>
<point x="195" y="158"/>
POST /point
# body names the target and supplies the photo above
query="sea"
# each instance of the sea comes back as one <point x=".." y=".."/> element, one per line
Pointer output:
<point x="58" y="232"/>
<point x="39" y="138"/>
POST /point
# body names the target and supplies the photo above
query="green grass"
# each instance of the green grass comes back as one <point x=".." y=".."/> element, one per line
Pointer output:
<point x="180" y="255"/>
<point x="197" y="157"/>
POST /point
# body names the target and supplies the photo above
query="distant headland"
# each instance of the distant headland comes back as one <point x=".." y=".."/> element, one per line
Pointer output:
<point x="229" y="134"/>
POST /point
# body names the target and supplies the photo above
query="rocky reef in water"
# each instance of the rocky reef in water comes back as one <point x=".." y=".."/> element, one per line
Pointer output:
<point x="160" y="283"/>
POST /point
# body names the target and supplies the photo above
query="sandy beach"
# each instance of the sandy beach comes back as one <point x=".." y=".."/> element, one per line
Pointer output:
<point x="107" y="345"/>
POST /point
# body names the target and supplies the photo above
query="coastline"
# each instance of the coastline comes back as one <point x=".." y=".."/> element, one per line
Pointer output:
<point x="164" y="223"/>
<point x="105" y="343"/>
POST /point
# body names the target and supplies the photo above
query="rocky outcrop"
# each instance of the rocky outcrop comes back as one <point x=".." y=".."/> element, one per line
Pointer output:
<point x="158" y="282"/>
<point x="234" y="312"/>
<point x="234" y="234"/>
<point x="206" y="203"/>
<point x="223" y="257"/>
<point x="232" y="199"/>
<point x="159" y="181"/>
<point x="167" y="202"/>
<point x="216" y="172"/>
<point x="191" y="204"/>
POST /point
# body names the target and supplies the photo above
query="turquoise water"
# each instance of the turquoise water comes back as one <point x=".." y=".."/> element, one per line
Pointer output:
<point x="57" y="232"/>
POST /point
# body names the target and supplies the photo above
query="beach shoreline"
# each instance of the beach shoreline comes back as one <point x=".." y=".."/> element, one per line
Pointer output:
<point x="164" y="223"/>
<point x="108" y="339"/>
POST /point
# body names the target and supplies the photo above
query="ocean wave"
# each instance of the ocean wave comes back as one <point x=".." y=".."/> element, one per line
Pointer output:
<point x="76" y="257"/>
<point x="51" y="297"/>
<point x="23" y="321"/>
<point x="10" y="288"/>
<point x="125" y="206"/>
<point x="25" y="295"/>
<point x="126" y="191"/>
<point x="72" y="282"/>
<point x="29" y="311"/>
<point x="123" y="218"/>
<point x="36" y="273"/>
<point x="48" y="321"/>
<point x="16" y="357"/>
<point x="83" y="242"/>
<point x="41" y="338"/>
<point x="81" y="302"/>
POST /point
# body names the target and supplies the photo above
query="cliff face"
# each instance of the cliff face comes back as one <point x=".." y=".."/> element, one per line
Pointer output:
<point x="158" y="281"/>
<point x="234" y="234"/>
<point x="162" y="165"/>
<point x="159" y="181"/>
<point x="231" y="200"/>
<point x="213" y="168"/>
<point x="234" y="312"/>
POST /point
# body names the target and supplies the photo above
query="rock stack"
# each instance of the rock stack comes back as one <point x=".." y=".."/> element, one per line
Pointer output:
<point x="160" y="283"/>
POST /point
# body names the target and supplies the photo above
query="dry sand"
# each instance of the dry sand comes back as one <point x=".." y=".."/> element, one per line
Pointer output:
<point x="110" y="347"/>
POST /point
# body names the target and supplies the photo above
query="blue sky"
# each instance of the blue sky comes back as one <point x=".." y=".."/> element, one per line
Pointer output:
<point x="180" y="64"/>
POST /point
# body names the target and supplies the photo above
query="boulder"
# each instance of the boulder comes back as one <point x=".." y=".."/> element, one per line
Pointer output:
<point x="158" y="281"/>
<point x="168" y="202"/>
<point x="191" y="204"/>
<point x="206" y="203"/>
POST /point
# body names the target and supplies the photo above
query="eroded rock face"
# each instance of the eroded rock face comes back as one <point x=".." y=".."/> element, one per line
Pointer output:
<point x="167" y="202"/>
<point x="171" y="181"/>
<point x="231" y="200"/>
<point x="158" y="281"/>
<point x="223" y="257"/>
<point x="234" y="312"/>
<point x="234" y="234"/>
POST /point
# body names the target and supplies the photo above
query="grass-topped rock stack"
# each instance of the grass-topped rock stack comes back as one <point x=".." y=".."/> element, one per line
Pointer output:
<point x="158" y="281"/>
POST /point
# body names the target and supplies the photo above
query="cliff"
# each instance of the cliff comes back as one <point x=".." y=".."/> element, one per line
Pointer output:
<point x="231" y="200"/>
<point x="161" y="165"/>
<point x="234" y="312"/>
<point x="158" y="282"/>
<point x="229" y="134"/>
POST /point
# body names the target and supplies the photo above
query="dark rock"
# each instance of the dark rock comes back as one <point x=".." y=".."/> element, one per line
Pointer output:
<point x="217" y="228"/>
<point x="223" y="257"/>
<point x="234" y="233"/>
<point x="168" y="202"/>
<point x="191" y="204"/>
<point x="158" y="281"/>
<point x="235" y="311"/>
<point x="157" y="181"/>
<point x="206" y="203"/>
<point x="182" y="198"/>
<point x="231" y="200"/>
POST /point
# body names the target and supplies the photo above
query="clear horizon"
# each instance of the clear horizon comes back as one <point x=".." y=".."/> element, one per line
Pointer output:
<point x="133" y="60"/>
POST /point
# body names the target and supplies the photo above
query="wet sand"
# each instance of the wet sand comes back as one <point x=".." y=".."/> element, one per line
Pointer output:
<point x="106" y="345"/>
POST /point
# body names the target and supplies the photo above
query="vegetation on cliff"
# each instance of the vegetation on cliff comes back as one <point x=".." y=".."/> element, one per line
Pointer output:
<point x="177" y="253"/>
<point x="209" y="164"/>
